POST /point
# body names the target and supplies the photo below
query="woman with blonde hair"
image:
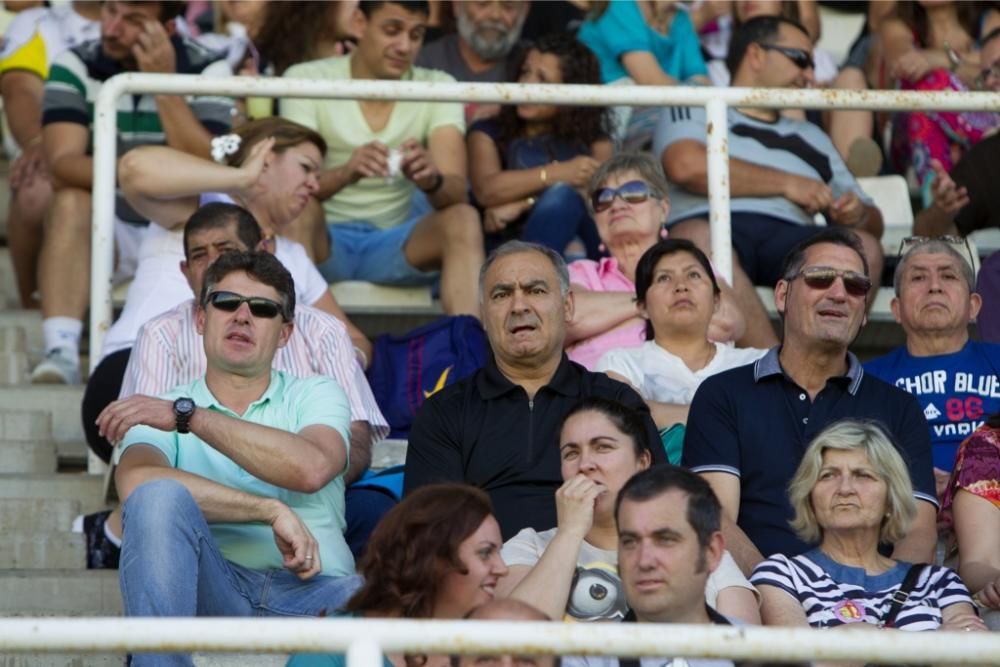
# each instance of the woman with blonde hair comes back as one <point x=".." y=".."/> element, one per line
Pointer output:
<point x="850" y="494"/>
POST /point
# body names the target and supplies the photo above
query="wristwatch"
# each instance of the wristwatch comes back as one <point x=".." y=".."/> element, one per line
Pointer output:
<point x="183" y="409"/>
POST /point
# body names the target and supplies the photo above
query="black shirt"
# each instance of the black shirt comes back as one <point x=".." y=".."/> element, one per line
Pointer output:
<point x="485" y="431"/>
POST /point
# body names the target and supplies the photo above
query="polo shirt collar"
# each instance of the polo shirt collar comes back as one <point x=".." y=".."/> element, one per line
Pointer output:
<point x="492" y="383"/>
<point x="203" y="397"/>
<point x="769" y="365"/>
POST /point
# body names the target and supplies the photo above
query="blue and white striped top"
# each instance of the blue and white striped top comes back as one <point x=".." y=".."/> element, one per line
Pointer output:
<point x="832" y="594"/>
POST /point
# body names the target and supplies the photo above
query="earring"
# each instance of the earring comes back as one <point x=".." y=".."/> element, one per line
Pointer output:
<point x="663" y="232"/>
<point x="601" y="248"/>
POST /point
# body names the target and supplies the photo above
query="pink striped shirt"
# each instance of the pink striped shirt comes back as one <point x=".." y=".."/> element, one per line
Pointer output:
<point x="168" y="351"/>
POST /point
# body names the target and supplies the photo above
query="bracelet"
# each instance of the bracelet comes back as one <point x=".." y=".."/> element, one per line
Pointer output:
<point x="438" y="182"/>
<point x="544" y="176"/>
<point x="954" y="58"/>
<point x="361" y="357"/>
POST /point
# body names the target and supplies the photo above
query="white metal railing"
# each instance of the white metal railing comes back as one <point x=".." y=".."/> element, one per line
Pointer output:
<point x="716" y="101"/>
<point x="364" y="640"/>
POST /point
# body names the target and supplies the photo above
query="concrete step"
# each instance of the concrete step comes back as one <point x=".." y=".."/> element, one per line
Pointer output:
<point x="59" y="593"/>
<point x="38" y="514"/>
<point x="28" y="457"/>
<point x="88" y="490"/>
<point x="59" y="660"/>
<point x="61" y="402"/>
<point x="29" y="320"/>
<point x="43" y="551"/>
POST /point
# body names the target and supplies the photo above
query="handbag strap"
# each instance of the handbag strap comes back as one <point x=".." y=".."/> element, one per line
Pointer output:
<point x="900" y="597"/>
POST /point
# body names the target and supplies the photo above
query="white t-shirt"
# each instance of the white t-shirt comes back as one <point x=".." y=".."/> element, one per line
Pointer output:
<point x="597" y="593"/>
<point x="160" y="286"/>
<point x="661" y="376"/>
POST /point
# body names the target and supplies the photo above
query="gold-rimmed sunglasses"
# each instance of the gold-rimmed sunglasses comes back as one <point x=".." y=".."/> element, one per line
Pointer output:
<point x="959" y="243"/>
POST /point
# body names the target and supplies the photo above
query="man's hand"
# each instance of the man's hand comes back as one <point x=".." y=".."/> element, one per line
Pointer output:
<point x="28" y="166"/>
<point x="417" y="165"/>
<point x="848" y="210"/>
<point x="116" y="419"/>
<point x="946" y="195"/>
<point x="367" y="161"/>
<point x="812" y="195"/>
<point x="575" y="501"/>
<point x="576" y="172"/>
<point x="296" y="543"/>
<point x="153" y="50"/>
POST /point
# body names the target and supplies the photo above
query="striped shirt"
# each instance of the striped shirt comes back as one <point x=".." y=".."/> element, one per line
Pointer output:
<point x="832" y="594"/>
<point x="76" y="77"/>
<point x="168" y="351"/>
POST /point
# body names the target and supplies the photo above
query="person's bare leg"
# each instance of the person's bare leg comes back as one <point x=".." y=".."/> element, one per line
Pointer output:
<point x="64" y="263"/>
<point x="309" y="229"/>
<point x="759" y="332"/>
<point x="452" y="240"/>
<point x="851" y="131"/>
<point x="25" y="224"/>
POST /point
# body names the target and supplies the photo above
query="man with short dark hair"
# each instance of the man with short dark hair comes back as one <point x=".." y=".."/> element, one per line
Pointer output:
<point x="954" y="378"/>
<point x="135" y="36"/>
<point x="394" y="183"/>
<point x="233" y="484"/>
<point x="669" y="542"/>
<point x="782" y="171"/>
<point x="499" y="428"/>
<point x="748" y="427"/>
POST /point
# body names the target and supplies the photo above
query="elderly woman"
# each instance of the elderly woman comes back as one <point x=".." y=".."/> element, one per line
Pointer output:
<point x="571" y="570"/>
<point x="973" y="501"/>
<point x="677" y="295"/>
<point x="630" y="207"/>
<point x="850" y="493"/>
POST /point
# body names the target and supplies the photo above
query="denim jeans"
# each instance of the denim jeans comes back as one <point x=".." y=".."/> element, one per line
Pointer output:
<point x="171" y="566"/>
<point x="559" y="215"/>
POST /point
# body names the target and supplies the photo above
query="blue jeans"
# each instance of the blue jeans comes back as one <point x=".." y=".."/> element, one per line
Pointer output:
<point x="171" y="566"/>
<point x="559" y="215"/>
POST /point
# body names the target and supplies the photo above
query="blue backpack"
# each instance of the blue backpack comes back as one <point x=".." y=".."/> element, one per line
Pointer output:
<point x="408" y="369"/>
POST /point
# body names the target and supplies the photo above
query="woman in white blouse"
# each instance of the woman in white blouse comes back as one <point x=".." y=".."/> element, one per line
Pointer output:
<point x="677" y="294"/>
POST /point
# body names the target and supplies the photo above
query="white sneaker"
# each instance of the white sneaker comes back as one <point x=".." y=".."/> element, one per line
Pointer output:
<point x="60" y="366"/>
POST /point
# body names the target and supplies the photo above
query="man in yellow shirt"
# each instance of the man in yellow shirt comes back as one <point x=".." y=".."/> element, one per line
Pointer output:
<point x="394" y="182"/>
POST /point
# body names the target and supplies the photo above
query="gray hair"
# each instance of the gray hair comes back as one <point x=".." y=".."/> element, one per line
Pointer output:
<point x="868" y="436"/>
<point x="934" y="247"/>
<point x="646" y="166"/>
<point x="517" y="247"/>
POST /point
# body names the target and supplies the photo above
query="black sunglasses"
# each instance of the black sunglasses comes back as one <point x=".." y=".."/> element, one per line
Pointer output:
<point x="229" y="302"/>
<point x="799" y="57"/>
<point x="821" y="277"/>
<point x="633" y="192"/>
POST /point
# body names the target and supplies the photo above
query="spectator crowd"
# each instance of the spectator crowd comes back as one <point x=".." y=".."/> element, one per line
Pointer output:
<point x="641" y="443"/>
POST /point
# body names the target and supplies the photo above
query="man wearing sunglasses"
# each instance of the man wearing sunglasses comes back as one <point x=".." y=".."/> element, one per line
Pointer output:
<point x="748" y="427"/>
<point x="782" y="171"/>
<point x="233" y="484"/>
<point x="954" y="378"/>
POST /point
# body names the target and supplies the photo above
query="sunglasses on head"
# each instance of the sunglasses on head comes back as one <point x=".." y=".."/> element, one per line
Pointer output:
<point x="799" y="57"/>
<point x="822" y="277"/>
<point x="633" y="192"/>
<point x="959" y="243"/>
<point x="229" y="302"/>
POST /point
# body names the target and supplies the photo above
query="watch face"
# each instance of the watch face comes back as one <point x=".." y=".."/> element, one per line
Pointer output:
<point x="184" y="406"/>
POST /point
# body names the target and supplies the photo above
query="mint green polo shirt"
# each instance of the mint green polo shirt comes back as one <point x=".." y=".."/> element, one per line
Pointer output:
<point x="290" y="404"/>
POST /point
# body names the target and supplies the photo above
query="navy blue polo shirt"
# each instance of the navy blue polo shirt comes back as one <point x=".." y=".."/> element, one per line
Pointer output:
<point x="755" y="422"/>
